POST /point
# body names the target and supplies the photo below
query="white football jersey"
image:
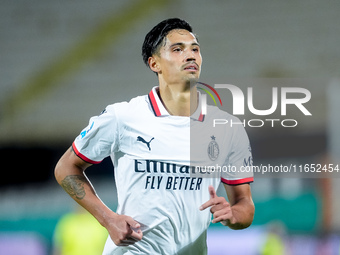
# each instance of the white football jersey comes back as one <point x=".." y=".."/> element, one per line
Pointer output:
<point x="156" y="157"/>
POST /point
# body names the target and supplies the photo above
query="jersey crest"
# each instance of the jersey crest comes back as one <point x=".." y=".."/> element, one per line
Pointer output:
<point x="213" y="149"/>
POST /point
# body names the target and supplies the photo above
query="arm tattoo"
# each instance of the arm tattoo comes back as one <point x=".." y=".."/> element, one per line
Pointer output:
<point x="74" y="186"/>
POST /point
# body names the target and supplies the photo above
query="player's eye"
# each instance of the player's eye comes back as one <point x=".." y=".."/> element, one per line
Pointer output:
<point x="177" y="49"/>
<point x="195" y="49"/>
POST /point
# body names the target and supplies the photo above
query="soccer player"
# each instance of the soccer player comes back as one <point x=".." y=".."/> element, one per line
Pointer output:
<point x="164" y="205"/>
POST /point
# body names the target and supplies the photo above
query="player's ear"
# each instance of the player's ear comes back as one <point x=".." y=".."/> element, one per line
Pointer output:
<point x="153" y="64"/>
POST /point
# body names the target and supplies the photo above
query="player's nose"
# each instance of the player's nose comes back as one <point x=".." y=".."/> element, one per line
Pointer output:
<point x="190" y="59"/>
<point x="189" y="56"/>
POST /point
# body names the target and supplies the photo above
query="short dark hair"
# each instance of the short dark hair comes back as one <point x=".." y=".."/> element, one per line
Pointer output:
<point x="154" y="38"/>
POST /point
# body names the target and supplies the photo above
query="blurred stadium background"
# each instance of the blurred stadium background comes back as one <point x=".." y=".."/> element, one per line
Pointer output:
<point x="64" y="61"/>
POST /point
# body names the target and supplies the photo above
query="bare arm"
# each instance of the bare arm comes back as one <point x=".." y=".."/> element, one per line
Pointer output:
<point x="242" y="206"/>
<point x="70" y="174"/>
<point x="239" y="213"/>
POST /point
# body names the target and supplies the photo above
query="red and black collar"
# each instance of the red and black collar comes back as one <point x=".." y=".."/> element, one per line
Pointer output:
<point x="159" y="109"/>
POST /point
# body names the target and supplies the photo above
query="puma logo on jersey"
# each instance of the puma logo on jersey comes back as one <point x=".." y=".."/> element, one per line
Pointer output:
<point x="141" y="139"/>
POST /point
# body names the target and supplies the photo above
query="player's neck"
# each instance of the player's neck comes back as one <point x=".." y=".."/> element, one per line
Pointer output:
<point x="179" y="99"/>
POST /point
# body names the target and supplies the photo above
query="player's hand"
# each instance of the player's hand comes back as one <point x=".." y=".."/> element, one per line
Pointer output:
<point x="219" y="207"/>
<point x="124" y="230"/>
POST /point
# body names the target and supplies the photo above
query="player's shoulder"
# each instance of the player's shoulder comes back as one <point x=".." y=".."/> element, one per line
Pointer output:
<point x="215" y="112"/>
<point x="126" y="106"/>
<point x="222" y="121"/>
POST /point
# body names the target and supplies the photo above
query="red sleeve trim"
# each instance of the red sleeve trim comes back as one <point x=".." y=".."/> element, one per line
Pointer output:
<point x="86" y="159"/>
<point x="237" y="182"/>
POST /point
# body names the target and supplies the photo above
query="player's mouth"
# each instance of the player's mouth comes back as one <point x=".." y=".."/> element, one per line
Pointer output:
<point x="193" y="67"/>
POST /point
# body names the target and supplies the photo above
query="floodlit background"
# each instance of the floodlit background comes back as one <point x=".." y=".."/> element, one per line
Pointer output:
<point x="62" y="62"/>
